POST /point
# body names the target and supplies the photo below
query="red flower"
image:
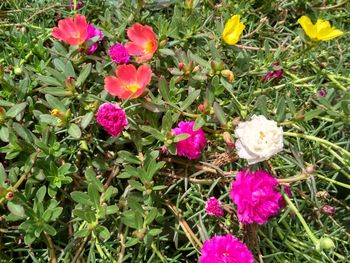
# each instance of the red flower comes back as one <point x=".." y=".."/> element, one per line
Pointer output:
<point x="143" y="42"/>
<point x="73" y="32"/>
<point x="129" y="83"/>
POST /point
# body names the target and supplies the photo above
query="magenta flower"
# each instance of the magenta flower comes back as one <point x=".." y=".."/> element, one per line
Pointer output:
<point x="275" y="74"/>
<point x="112" y="118"/>
<point x="119" y="54"/>
<point x="213" y="207"/>
<point x="322" y="93"/>
<point x="91" y="33"/>
<point x="225" y="249"/>
<point x="192" y="146"/>
<point x="255" y="196"/>
<point x="328" y="210"/>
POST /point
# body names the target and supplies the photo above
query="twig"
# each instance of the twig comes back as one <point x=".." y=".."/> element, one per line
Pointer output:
<point x="261" y="23"/>
<point x="80" y="249"/>
<point x="196" y="243"/>
<point x="51" y="248"/>
<point x="122" y="248"/>
<point x="42" y="11"/>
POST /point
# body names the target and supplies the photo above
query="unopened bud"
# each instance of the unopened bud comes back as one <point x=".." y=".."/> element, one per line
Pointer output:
<point x="326" y="243"/>
<point x="196" y="69"/>
<point x="310" y="169"/>
<point x="327" y="209"/>
<point x="10" y="196"/>
<point x="180" y="66"/>
<point x="70" y="83"/>
<point x="201" y="108"/>
<point x="299" y="115"/>
<point x="227" y="138"/>
<point x="228" y="74"/>
<point x="163" y="43"/>
<point x="2" y="114"/>
<point x="17" y="70"/>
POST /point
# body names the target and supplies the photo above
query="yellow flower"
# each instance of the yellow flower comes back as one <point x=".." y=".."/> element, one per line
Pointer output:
<point x="321" y="31"/>
<point x="233" y="29"/>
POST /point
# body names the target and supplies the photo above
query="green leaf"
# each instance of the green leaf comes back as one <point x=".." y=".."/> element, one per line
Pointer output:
<point x="181" y="137"/>
<point x="154" y="132"/>
<point x="16" y="209"/>
<point x="84" y="74"/>
<point x="50" y="81"/>
<point x="167" y="122"/>
<point x="69" y="70"/>
<point x="152" y="214"/>
<point x="261" y="104"/>
<point x="40" y="194"/>
<point x="103" y="232"/>
<point x="22" y="132"/>
<point x="281" y="109"/>
<point x="15" y="110"/>
<point x="55" y="103"/>
<point x="190" y="99"/>
<point x="136" y="185"/>
<point x="155" y="231"/>
<point x="167" y="52"/>
<point x="94" y="195"/>
<point x="219" y="113"/>
<point x="90" y="175"/>
<point x="86" y="120"/>
<point x="312" y="114"/>
<point x="2" y="175"/>
<point x="81" y="198"/>
<point x="129" y="157"/>
<point x="74" y="131"/>
<point x="163" y="88"/>
<point x="198" y="123"/>
<point x="131" y="242"/>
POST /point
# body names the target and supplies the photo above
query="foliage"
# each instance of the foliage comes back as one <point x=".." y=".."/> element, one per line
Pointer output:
<point x="68" y="190"/>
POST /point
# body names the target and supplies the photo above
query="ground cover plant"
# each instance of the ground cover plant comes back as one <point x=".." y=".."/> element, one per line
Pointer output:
<point x="174" y="131"/>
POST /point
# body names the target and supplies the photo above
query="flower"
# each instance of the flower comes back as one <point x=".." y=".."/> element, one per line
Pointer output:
<point x="275" y="74"/>
<point x="129" y="83"/>
<point x="91" y="33"/>
<point x="256" y="197"/>
<point x="233" y="29"/>
<point x="192" y="146"/>
<point x="327" y="209"/>
<point x="112" y="118"/>
<point x="258" y="139"/>
<point x="322" y="93"/>
<point x="225" y="249"/>
<point x="321" y="31"/>
<point x="213" y="207"/>
<point x="74" y="32"/>
<point x="143" y="42"/>
<point x="119" y="54"/>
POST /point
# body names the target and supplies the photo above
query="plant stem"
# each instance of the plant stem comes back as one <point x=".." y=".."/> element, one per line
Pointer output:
<point x="311" y="235"/>
<point x="51" y="248"/>
<point x="316" y="139"/>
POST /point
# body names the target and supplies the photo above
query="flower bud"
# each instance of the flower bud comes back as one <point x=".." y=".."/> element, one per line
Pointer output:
<point x="328" y="209"/>
<point x="228" y="74"/>
<point x="17" y="70"/>
<point x="163" y="43"/>
<point x="2" y="114"/>
<point x="70" y="84"/>
<point x="180" y="66"/>
<point x="201" y="108"/>
<point x="326" y="243"/>
<point x="10" y="196"/>
<point x="310" y="169"/>
<point x="227" y="138"/>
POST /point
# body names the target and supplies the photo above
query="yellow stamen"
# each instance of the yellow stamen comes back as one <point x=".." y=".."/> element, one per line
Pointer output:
<point x="133" y="87"/>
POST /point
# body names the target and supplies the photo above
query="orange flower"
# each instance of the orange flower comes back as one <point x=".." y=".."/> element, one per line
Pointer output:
<point x="73" y="32"/>
<point x="143" y="42"/>
<point x="129" y="83"/>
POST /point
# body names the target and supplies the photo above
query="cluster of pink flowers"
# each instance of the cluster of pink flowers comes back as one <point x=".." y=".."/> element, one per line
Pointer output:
<point x="213" y="207"/>
<point x="276" y="75"/>
<point x="192" y="146"/>
<point x="226" y="249"/>
<point x="112" y="118"/>
<point x="256" y="196"/>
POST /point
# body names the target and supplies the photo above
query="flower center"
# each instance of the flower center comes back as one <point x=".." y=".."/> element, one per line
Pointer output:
<point x="148" y="47"/>
<point x="261" y="135"/>
<point x="133" y="87"/>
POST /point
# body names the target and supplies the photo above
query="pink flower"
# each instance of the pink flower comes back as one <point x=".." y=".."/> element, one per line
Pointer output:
<point x="192" y="146"/>
<point x="322" y="93"/>
<point x="256" y="197"/>
<point x="73" y="32"/>
<point x="129" y="83"/>
<point x="143" y="43"/>
<point x="225" y="249"/>
<point x="119" y="54"/>
<point x="213" y="207"/>
<point x="91" y="33"/>
<point x="275" y="75"/>
<point x="328" y="210"/>
<point x="112" y="118"/>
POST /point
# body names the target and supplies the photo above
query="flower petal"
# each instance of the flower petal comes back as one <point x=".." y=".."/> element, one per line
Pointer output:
<point x="126" y="73"/>
<point x="116" y="87"/>
<point x="134" y="49"/>
<point x="143" y="75"/>
<point x="308" y="26"/>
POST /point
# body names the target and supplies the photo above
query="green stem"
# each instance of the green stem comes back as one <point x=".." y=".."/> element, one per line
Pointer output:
<point x="319" y="140"/>
<point x="311" y="235"/>
<point x="161" y="257"/>
<point x="334" y="181"/>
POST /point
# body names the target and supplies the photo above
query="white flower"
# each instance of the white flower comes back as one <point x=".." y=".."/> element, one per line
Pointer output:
<point x="258" y="139"/>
